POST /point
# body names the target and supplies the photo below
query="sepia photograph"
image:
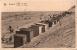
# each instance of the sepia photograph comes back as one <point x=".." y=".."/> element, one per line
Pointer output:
<point x="39" y="29"/>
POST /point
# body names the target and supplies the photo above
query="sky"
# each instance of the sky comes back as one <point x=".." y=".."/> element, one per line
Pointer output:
<point x="37" y="5"/>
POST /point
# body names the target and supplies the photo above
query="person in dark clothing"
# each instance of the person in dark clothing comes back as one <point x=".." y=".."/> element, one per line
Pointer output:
<point x="11" y="29"/>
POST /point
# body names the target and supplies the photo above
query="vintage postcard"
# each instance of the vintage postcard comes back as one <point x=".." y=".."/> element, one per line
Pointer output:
<point x="38" y="24"/>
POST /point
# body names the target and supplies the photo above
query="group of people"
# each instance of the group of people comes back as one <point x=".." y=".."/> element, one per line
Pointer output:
<point x="57" y="17"/>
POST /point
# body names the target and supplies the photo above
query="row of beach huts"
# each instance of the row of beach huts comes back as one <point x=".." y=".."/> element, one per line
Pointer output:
<point x="25" y="35"/>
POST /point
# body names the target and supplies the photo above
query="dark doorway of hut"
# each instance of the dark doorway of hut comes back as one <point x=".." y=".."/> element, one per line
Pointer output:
<point x="18" y="42"/>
